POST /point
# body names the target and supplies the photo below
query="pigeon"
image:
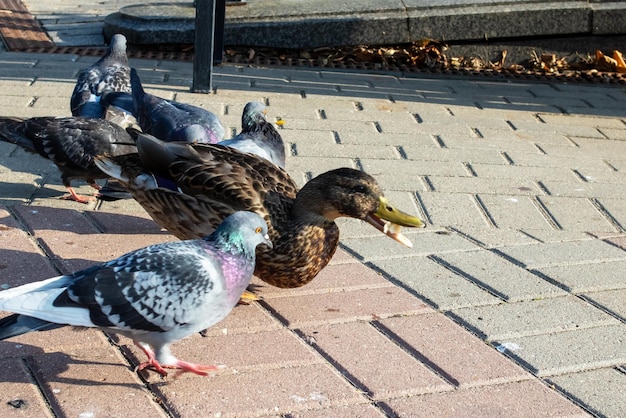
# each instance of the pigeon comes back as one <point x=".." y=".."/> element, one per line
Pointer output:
<point x="155" y="295"/>
<point x="258" y="136"/>
<point x="69" y="142"/>
<point x="110" y="73"/>
<point x="168" y="120"/>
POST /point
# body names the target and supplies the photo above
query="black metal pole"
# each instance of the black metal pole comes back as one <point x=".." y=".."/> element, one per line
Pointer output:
<point x="203" y="46"/>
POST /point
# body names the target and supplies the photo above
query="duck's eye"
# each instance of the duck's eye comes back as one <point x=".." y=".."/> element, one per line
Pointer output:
<point x="359" y="188"/>
<point x="258" y="230"/>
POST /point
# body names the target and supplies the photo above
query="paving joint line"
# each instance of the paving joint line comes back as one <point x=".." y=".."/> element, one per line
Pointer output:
<point x="37" y="383"/>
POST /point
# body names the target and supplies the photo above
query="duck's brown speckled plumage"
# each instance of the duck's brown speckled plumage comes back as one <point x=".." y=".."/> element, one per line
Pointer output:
<point x="215" y="181"/>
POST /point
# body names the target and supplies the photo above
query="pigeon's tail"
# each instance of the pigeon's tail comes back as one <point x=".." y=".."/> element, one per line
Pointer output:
<point x="16" y="324"/>
<point x="11" y="132"/>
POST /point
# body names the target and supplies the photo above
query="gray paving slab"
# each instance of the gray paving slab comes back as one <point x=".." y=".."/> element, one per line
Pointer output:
<point x="596" y="390"/>
<point x="503" y="278"/>
<point x="587" y="277"/>
<point x="569" y="351"/>
<point x="533" y="316"/>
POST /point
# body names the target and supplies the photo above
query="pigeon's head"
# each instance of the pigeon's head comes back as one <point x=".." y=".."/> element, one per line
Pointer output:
<point x="242" y="232"/>
<point x="118" y="43"/>
<point x="253" y="113"/>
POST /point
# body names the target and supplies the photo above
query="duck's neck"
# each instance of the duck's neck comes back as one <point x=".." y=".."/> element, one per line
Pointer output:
<point x="310" y="207"/>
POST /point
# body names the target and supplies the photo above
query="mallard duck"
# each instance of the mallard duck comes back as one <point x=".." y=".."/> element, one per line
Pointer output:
<point x="258" y="136"/>
<point x="110" y="73"/>
<point x="190" y="188"/>
<point x="69" y="142"/>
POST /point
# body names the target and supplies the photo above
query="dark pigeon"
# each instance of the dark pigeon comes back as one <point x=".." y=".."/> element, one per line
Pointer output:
<point x="258" y="136"/>
<point x="69" y="142"/>
<point x="110" y="73"/>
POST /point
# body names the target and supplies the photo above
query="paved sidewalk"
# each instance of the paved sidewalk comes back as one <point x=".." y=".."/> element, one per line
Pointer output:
<point x="511" y="302"/>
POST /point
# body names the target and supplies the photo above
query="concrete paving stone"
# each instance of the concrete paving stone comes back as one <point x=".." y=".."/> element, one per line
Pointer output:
<point x="427" y="128"/>
<point x="609" y="176"/>
<point x="532" y="317"/>
<point x="596" y="390"/>
<point x="15" y="101"/>
<point x="569" y="351"/>
<point x="503" y="142"/>
<point x="447" y="209"/>
<point x="385" y="152"/>
<point x="361" y="411"/>
<point x="22" y="261"/>
<point x="619" y="241"/>
<point x="377" y="246"/>
<point x="611" y="300"/>
<point x="124" y="223"/>
<point x="440" y="287"/>
<point x="283" y="391"/>
<point x="588" y="277"/>
<point x="67" y="340"/>
<point x="563" y="253"/>
<point x="424" y="168"/>
<point x="483" y="156"/>
<point x="400" y="182"/>
<point x="425" y="141"/>
<point x="524" y="172"/>
<point x="238" y="352"/>
<point x="576" y="214"/>
<point x="494" y="237"/>
<point x="365" y="127"/>
<point x="345" y="306"/>
<point x="20" y="190"/>
<point x="503" y="278"/>
<point x="592" y="121"/>
<point x="578" y="189"/>
<point x="564" y="128"/>
<point x="20" y="397"/>
<point x="455" y="354"/>
<point x="547" y="236"/>
<point x="615" y="134"/>
<point x="84" y="383"/>
<point x="514" y="211"/>
<point x="606" y="149"/>
<point x="372" y="362"/>
<point x="73" y="252"/>
<point x="543" y="160"/>
<point x="516" y="399"/>
<point x="519" y="187"/>
<point x="46" y="219"/>
<point x="314" y="166"/>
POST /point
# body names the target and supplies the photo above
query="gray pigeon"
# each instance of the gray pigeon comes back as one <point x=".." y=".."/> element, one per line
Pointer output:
<point x="69" y="142"/>
<point x="167" y="120"/>
<point x="258" y="136"/>
<point x="156" y="295"/>
<point x="110" y="73"/>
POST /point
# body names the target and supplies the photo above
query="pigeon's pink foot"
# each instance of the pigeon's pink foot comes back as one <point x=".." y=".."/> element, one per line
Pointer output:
<point x="76" y="197"/>
<point x="199" y="369"/>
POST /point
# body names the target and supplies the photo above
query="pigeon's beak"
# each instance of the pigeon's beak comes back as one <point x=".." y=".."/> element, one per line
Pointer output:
<point x="388" y="220"/>
<point x="267" y="241"/>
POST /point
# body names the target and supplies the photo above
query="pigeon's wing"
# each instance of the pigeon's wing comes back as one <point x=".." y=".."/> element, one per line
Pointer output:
<point x="157" y="288"/>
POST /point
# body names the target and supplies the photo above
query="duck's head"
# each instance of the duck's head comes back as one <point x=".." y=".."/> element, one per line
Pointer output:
<point x="355" y="194"/>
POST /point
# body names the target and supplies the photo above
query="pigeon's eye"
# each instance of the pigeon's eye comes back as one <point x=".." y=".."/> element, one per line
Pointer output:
<point x="258" y="230"/>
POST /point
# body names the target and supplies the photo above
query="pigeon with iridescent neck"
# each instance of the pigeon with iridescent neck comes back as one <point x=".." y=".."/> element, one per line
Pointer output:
<point x="156" y="295"/>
